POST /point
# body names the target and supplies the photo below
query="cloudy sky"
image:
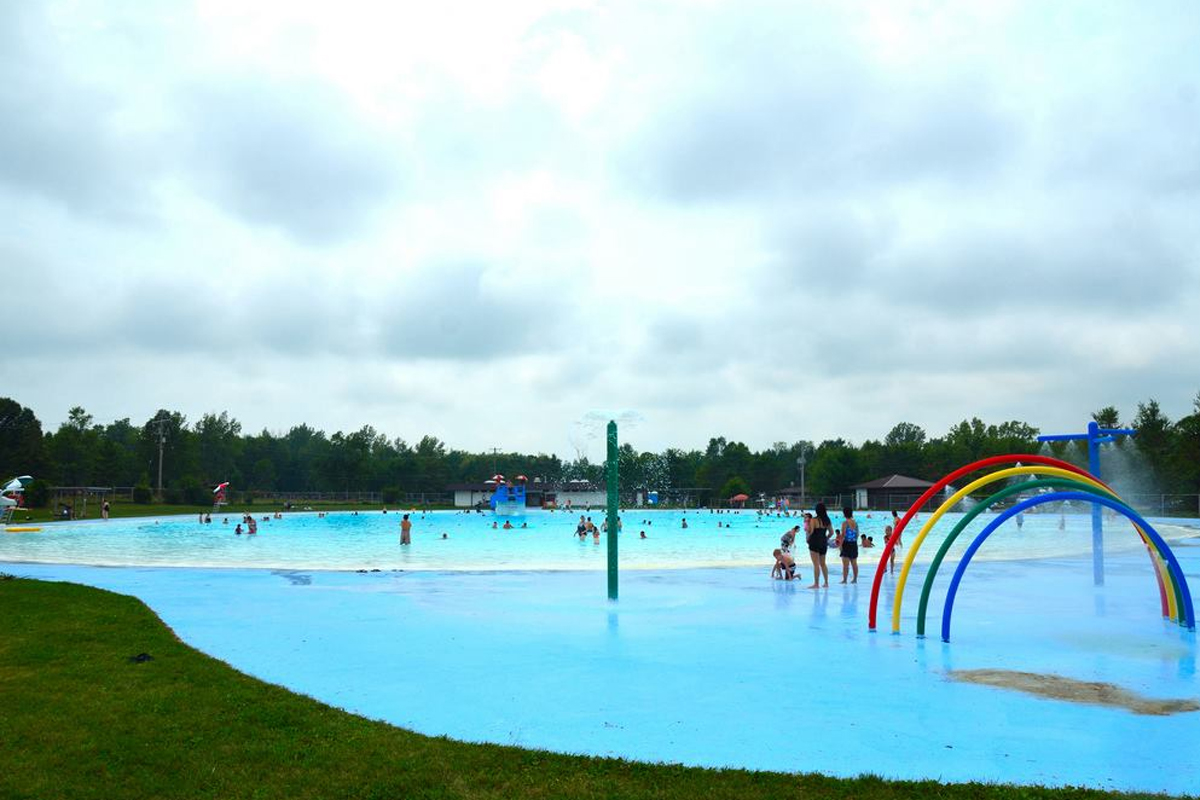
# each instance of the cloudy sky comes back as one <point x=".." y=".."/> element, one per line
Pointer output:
<point x="486" y="221"/>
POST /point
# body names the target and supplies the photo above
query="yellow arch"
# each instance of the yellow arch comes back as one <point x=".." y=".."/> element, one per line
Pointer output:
<point x="966" y="490"/>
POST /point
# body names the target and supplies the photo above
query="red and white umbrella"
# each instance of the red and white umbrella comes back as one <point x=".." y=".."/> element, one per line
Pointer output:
<point x="522" y="478"/>
<point x="221" y="487"/>
<point x="498" y="478"/>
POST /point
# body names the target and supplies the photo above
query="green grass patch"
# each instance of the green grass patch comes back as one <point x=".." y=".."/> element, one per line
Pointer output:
<point x="79" y="719"/>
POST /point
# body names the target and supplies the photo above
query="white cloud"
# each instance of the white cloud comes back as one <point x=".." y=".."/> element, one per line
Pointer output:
<point x="756" y="219"/>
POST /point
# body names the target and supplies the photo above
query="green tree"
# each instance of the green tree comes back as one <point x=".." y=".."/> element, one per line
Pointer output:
<point x="968" y="438"/>
<point x="118" y="460"/>
<point x="1107" y="417"/>
<point x="21" y="441"/>
<point x="432" y="474"/>
<point x="178" y="447"/>
<point x="905" y="433"/>
<point x="75" y="449"/>
<point x="263" y="476"/>
<point x="902" y="452"/>
<point x="218" y="441"/>
<point x="835" y="467"/>
<point x="1153" y="437"/>
<point x="1011" y="437"/>
<point x="733" y="487"/>
<point x="1184" y="459"/>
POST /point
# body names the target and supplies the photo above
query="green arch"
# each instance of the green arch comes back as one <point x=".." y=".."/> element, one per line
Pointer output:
<point x="1008" y="491"/>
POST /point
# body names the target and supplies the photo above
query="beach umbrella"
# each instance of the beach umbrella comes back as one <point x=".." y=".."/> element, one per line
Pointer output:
<point x="221" y="487"/>
<point x="740" y="498"/>
<point x="497" y="477"/>
<point x="522" y="478"/>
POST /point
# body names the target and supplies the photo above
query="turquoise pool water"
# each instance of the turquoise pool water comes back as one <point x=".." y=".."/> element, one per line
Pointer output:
<point x="370" y="540"/>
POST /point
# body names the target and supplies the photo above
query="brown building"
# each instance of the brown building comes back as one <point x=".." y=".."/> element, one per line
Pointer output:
<point x="893" y="492"/>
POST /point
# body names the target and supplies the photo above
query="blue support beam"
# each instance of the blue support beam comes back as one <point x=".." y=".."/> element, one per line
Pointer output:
<point x="1095" y="437"/>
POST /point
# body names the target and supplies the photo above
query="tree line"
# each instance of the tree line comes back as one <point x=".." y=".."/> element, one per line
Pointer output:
<point x="196" y="456"/>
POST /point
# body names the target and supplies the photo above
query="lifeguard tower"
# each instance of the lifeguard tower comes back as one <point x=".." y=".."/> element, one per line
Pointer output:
<point x="10" y="497"/>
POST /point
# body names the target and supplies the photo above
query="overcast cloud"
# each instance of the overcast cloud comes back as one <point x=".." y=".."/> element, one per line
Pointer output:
<point x="763" y="220"/>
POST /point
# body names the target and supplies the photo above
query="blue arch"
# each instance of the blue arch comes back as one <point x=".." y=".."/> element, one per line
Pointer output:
<point x="1084" y="497"/>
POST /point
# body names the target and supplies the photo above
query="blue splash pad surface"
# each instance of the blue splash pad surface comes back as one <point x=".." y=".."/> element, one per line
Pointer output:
<point x="717" y="667"/>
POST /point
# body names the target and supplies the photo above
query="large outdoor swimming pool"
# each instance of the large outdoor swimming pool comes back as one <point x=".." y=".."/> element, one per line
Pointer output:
<point x="370" y="540"/>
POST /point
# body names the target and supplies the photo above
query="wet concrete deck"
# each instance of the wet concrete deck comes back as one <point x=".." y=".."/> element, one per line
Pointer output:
<point x="717" y="667"/>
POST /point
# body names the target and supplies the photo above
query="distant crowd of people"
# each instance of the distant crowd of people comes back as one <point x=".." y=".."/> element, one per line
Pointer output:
<point x="818" y="530"/>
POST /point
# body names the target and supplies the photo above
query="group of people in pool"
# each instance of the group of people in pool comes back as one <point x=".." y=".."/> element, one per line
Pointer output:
<point x="820" y="536"/>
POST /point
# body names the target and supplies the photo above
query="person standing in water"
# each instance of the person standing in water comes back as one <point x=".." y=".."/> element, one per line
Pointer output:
<point x="887" y="534"/>
<point x="816" y="530"/>
<point x="847" y="542"/>
<point x="405" y="530"/>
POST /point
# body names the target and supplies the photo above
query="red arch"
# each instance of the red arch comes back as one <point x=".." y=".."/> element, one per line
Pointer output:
<point x="974" y="466"/>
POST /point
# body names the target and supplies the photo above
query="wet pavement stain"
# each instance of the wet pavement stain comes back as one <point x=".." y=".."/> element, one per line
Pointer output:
<point x="1059" y="688"/>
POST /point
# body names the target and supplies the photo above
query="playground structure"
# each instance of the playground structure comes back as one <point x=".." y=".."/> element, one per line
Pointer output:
<point x="1094" y="436"/>
<point x="508" y="500"/>
<point x="1057" y="481"/>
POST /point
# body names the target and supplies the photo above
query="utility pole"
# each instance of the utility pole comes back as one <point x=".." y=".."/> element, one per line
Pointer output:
<point x="495" y="450"/>
<point x="801" y="462"/>
<point x="161" y="438"/>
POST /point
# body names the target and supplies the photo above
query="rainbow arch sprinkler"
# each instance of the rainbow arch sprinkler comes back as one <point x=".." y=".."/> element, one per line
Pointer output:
<point x="1058" y="481"/>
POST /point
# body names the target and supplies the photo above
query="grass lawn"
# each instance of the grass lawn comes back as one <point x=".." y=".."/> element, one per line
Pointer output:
<point x="79" y="719"/>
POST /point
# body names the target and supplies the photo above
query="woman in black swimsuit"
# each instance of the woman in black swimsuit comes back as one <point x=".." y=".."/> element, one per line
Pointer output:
<point x="816" y="533"/>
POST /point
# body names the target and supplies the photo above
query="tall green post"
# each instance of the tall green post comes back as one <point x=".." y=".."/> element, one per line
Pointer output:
<point x="614" y="522"/>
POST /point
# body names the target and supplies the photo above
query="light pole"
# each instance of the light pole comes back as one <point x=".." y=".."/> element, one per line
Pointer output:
<point x="160" y="421"/>
<point x="801" y="462"/>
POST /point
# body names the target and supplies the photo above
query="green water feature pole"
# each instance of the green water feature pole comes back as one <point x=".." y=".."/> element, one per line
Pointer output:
<point x="614" y="522"/>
